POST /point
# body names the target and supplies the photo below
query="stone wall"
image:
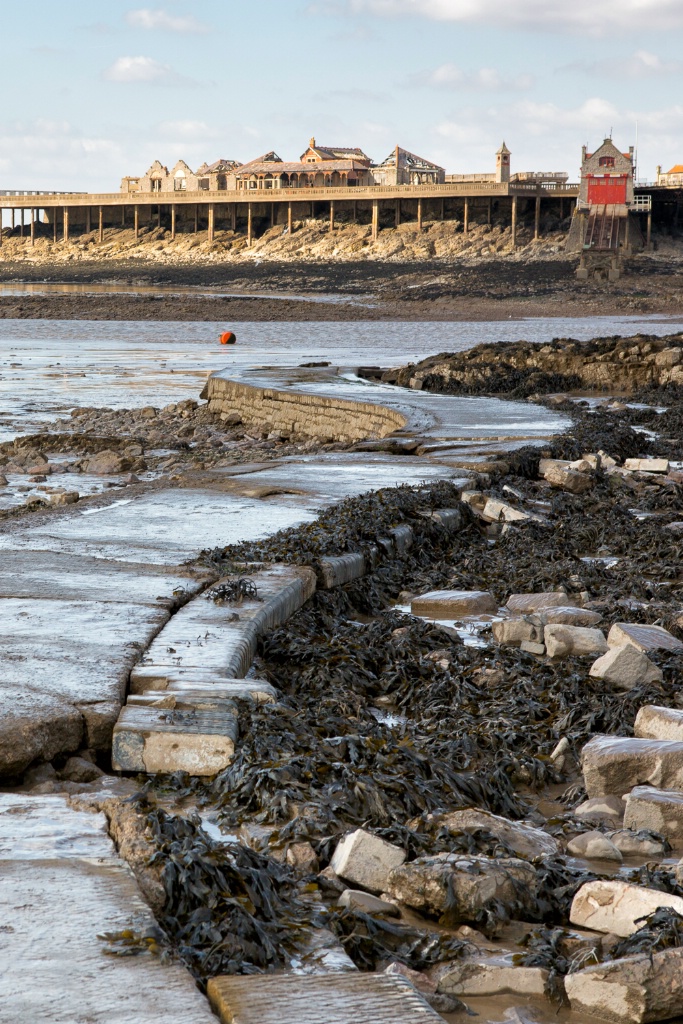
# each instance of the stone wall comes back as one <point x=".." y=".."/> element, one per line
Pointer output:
<point x="300" y="414"/>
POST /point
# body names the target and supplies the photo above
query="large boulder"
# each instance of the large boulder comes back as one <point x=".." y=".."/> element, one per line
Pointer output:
<point x="523" y="839"/>
<point x="463" y="884"/>
<point x="613" y="765"/>
<point x="563" y="641"/>
<point x="527" y="604"/>
<point x="656" y="723"/>
<point x="644" y="638"/>
<point x="625" y="667"/>
<point x="660" y="810"/>
<point x="616" y="907"/>
<point x="108" y="463"/>
<point x="366" y="860"/>
<point x="572" y="480"/>
<point x="491" y="976"/>
<point x="635" y="990"/>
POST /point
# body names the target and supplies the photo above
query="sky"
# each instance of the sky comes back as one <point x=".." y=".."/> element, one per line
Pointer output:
<point x="97" y="90"/>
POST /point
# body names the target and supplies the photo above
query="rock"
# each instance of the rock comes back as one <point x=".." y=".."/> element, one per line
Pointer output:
<point x="660" y="810"/>
<point x="655" y="723"/>
<point x="568" y="616"/>
<point x="356" y="899"/>
<point x="40" y="774"/>
<point x="108" y="463"/>
<point x="532" y="648"/>
<point x="524" y="839"/>
<point x="303" y="858"/>
<point x="546" y="465"/>
<point x="454" y="604"/>
<point x="614" y="906"/>
<point x="463" y="884"/>
<point x="330" y="881"/>
<point x="625" y="667"/>
<point x="613" y="765"/>
<point x="3" y="480"/>
<point x="438" y="1001"/>
<point x="64" y="498"/>
<point x="634" y="990"/>
<point x="636" y="843"/>
<point x="594" y="846"/>
<point x="676" y="527"/>
<point x="231" y="419"/>
<point x="560" y="753"/>
<point x="600" y="808"/>
<point x="513" y="632"/>
<point x="366" y="860"/>
<point x="571" y="480"/>
<point x="491" y="976"/>
<point x="528" y="604"/>
<point x="78" y="769"/>
<point x="562" y="641"/>
<point x="647" y="465"/>
<point x="495" y="511"/>
<point x="644" y="638"/>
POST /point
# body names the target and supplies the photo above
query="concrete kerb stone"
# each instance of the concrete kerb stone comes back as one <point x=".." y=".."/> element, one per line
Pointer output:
<point x="613" y="765"/>
<point x="660" y="810"/>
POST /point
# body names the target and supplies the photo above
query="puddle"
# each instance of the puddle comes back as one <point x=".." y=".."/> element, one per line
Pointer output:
<point x="105" y="508"/>
<point x="469" y="629"/>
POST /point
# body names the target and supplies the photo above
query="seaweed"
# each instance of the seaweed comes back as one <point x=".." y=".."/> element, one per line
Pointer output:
<point x="662" y="929"/>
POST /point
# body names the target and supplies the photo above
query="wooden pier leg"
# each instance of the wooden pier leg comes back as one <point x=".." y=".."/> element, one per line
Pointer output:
<point x="289" y="218"/>
<point x="443" y="209"/>
<point x="331" y="214"/>
<point x="159" y="217"/>
<point x="514" y="221"/>
<point x="66" y="223"/>
<point x="249" y="224"/>
<point x="136" y="222"/>
<point x="100" y="230"/>
<point x="233" y="217"/>
<point x="648" y="240"/>
<point x="537" y="218"/>
<point x="55" y="211"/>
<point x="196" y="218"/>
<point x="21" y="224"/>
<point x="419" y="215"/>
<point x="33" y="227"/>
<point x="272" y="215"/>
<point x="12" y="218"/>
<point x="466" y="217"/>
<point x="88" y="224"/>
<point x="212" y="221"/>
<point x="398" y="212"/>
<point x="489" y="213"/>
<point x="627" y="233"/>
<point x="375" y="219"/>
<point x="173" y="217"/>
<point x="561" y="209"/>
<point x="123" y="216"/>
<point x="354" y="213"/>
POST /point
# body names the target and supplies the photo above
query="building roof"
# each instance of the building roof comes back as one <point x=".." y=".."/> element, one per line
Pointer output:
<point x="218" y="165"/>
<point x="268" y="167"/>
<point x="676" y="169"/>
<point x="405" y="158"/>
<point x="337" y="152"/>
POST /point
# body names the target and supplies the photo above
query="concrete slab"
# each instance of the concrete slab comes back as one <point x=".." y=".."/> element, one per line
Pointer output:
<point x="62" y="889"/>
<point x="312" y="999"/>
<point x="153" y="740"/>
<point x="178" y="680"/>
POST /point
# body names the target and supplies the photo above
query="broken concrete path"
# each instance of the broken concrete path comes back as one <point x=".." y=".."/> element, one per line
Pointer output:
<point x="62" y="886"/>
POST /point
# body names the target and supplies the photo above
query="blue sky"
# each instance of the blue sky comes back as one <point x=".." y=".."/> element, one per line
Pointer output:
<point x="96" y="90"/>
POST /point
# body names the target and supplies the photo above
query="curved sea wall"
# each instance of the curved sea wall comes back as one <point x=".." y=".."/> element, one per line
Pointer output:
<point x="301" y="414"/>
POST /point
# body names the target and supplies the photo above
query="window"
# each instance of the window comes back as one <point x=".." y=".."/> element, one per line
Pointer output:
<point x="606" y="161"/>
<point x="156" y="184"/>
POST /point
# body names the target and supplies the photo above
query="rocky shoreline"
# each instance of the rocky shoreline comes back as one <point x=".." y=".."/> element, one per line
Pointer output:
<point x="437" y="791"/>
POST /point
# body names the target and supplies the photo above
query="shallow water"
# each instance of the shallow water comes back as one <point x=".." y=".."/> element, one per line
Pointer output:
<point x="48" y="367"/>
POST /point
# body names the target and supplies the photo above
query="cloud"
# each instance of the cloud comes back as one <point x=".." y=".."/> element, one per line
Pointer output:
<point x="44" y="154"/>
<point x="187" y="130"/>
<point x="145" y="70"/>
<point x="160" y="20"/>
<point x="640" y="64"/>
<point x="450" y="76"/>
<point x="596" y="18"/>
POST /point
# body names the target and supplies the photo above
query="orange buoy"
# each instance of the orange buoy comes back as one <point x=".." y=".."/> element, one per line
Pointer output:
<point x="228" y="338"/>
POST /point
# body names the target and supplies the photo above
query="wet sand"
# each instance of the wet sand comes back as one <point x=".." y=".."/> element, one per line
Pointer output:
<point x="435" y="290"/>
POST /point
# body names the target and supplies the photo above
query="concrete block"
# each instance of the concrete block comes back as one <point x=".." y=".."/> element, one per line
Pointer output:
<point x="178" y="680"/>
<point x="402" y="537"/>
<point x="497" y="511"/>
<point x="454" y="604"/>
<point x="523" y="839"/>
<point x="571" y="480"/>
<point x="153" y="740"/>
<point x="615" y="907"/>
<point x="633" y="990"/>
<point x="531" y="647"/>
<point x="527" y="604"/>
<point x="512" y="632"/>
<point x="647" y="465"/>
<point x="613" y="765"/>
<point x="366" y="860"/>
<point x="625" y="667"/>
<point x="644" y="638"/>
<point x="660" y="810"/>
<point x="333" y="998"/>
<point x="356" y="899"/>
<point x="569" y="616"/>
<point x="340" y="569"/>
<point x="655" y="723"/>
<point x="449" y="518"/>
<point x="601" y="808"/>
<point x="564" y="641"/>
<point x="491" y="976"/>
